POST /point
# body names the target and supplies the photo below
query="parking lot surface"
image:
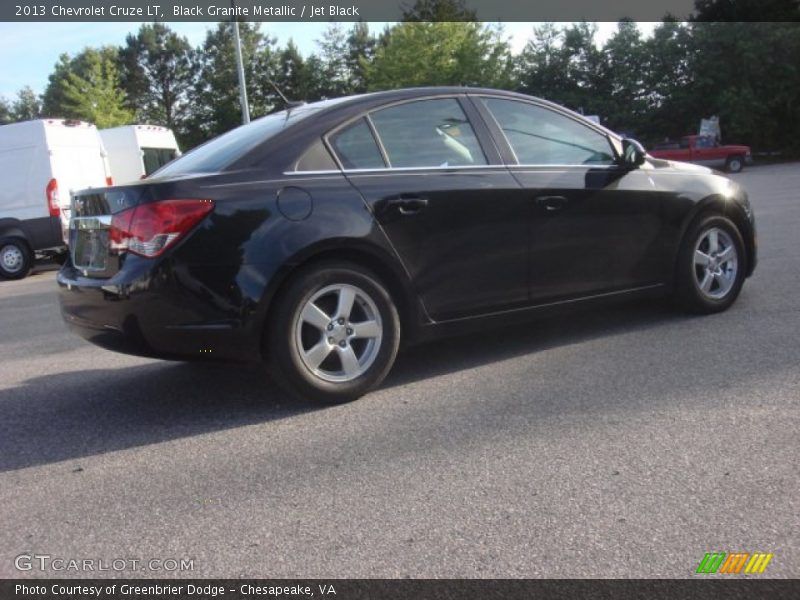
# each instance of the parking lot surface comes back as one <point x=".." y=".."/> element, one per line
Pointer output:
<point x="622" y="442"/>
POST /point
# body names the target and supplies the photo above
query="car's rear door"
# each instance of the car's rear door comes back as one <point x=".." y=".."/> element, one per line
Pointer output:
<point x="596" y="226"/>
<point x="449" y="207"/>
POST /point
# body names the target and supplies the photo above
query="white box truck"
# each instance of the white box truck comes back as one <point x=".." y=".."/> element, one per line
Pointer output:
<point x="135" y="151"/>
<point x="41" y="163"/>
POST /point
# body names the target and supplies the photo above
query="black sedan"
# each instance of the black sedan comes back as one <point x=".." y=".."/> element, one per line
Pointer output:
<point x="317" y="238"/>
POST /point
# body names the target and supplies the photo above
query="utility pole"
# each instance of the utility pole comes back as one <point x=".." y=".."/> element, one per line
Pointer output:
<point x="240" y="69"/>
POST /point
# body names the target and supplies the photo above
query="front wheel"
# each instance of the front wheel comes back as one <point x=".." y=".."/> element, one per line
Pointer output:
<point x="711" y="266"/>
<point x="334" y="333"/>
<point x="16" y="258"/>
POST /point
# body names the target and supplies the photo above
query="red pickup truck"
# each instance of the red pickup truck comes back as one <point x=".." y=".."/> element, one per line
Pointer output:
<point x="704" y="150"/>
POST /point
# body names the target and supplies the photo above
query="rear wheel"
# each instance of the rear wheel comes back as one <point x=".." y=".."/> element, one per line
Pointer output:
<point x="711" y="265"/>
<point x="334" y="333"/>
<point x="16" y="258"/>
<point x="734" y="164"/>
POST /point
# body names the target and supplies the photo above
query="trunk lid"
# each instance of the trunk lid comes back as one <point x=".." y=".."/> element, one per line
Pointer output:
<point x="90" y="229"/>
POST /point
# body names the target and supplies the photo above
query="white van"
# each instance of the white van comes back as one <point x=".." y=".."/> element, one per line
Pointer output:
<point x="41" y="163"/>
<point x="135" y="151"/>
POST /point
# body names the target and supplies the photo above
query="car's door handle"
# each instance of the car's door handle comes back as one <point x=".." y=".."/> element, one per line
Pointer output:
<point x="551" y="202"/>
<point x="408" y="205"/>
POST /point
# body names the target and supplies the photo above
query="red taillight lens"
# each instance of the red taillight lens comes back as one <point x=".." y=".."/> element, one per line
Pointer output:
<point x="149" y="229"/>
<point x="109" y="181"/>
<point x="51" y="191"/>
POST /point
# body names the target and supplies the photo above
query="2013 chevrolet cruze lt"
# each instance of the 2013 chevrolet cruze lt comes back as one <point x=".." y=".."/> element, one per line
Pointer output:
<point x="319" y="237"/>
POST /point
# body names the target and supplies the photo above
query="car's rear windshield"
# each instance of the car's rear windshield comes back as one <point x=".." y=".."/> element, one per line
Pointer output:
<point x="217" y="154"/>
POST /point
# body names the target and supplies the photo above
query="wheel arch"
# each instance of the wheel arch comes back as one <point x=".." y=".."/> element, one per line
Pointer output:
<point x="13" y="228"/>
<point x="386" y="267"/>
<point x="718" y="204"/>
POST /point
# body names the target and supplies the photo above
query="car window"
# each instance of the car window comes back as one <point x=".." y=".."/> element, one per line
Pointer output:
<point x="705" y="142"/>
<point x="428" y="133"/>
<point x="684" y="143"/>
<point x="356" y="147"/>
<point x="316" y="158"/>
<point x="539" y="136"/>
<point x="224" y="150"/>
<point x="155" y="158"/>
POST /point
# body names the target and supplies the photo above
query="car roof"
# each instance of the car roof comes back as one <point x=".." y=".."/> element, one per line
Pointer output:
<point x="387" y="96"/>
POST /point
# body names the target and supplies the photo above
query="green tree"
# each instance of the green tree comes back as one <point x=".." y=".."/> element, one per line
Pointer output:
<point x="54" y="100"/>
<point x="441" y="53"/>
<point x="361" y="45"/>
<point x="588" y="86"/>
<point x="215" y="106"/>
<point x="299" y="78"/>
<point x="564" y="65"/>
<point x="669" y="82"/>
<point x="96" y="96"/>
<point x="27" y="106"/>
<point x="156" y="74"/>
<point x="334" y="56"/>
<point x="624" y="78"/>
<point x="540" y="67"/>
<point x="5" y="111"/>
<point x="749" y="75"/>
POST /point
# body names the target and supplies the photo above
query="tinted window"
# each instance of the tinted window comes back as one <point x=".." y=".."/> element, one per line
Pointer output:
<point x="226" y="149"/>
<point x="155" y="158"/>
<point x="428" y="133"/>
<point x="356" y="148"/>
<point x="539" y="136"/>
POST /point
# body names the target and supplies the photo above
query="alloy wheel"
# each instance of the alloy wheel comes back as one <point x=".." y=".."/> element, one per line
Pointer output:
<point x="716" y="263"/>
<point x="338" y="333"/>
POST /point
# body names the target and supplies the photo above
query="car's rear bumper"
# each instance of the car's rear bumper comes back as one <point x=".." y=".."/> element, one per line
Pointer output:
<point x="154" y="315"/>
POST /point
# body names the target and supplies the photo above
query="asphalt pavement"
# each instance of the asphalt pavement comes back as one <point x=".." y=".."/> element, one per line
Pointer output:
<point x="620" y="442"/>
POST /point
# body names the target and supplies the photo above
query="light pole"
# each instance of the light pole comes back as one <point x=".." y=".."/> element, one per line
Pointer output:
<point x="237" y="41"/>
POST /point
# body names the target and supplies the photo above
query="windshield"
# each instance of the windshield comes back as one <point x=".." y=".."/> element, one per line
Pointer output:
<point x="215" y="155"/>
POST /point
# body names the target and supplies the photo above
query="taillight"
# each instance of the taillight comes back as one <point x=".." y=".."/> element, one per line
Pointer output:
<point x="51" y="191"/>
<point x="149" y="229"/>
<point x="109" y="181"/>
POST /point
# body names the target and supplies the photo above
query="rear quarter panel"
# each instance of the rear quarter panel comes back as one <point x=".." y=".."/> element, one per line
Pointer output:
<point x="240" y="255"/>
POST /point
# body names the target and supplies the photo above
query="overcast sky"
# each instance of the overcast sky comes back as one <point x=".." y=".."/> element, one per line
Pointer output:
<point x="28" y="51"/>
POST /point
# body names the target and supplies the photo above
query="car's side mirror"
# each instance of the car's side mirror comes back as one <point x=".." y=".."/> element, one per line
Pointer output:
<point x="633" y="153"/>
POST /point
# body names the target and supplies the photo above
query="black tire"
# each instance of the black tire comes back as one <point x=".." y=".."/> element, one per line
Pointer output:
<point x="16" y="258"/>
<point x="734" y="164"/>
<point x="288" y="335"/>
<point x="690" y="276"/>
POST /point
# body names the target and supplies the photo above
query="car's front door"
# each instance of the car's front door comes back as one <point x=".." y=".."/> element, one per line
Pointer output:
<point x="449" y="207"/>
<point x="596" y="226"/>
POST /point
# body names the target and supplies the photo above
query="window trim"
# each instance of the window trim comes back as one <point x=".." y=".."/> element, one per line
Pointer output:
<point x="376" y="136"/>
<point x="331" y="148"/>
<point x="459" y="98"/>
<point x="498" y="132"/>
